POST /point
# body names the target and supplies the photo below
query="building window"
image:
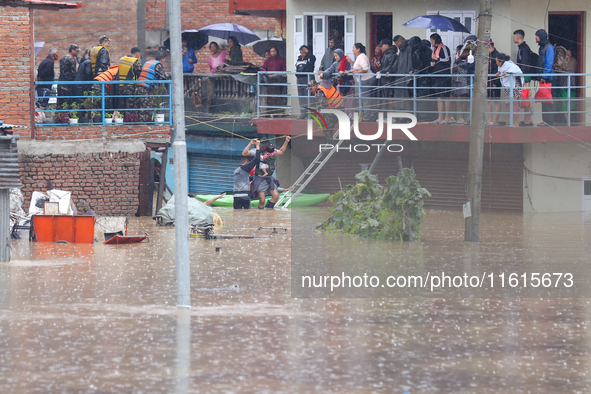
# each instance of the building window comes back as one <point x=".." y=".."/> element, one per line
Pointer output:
<point x="587" y="188"/>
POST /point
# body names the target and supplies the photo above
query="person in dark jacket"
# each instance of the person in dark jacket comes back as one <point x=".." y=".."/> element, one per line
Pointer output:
<point x="234" y="51"/>
<point x="68" y="65"/>
<point x="546" y="66"/>
<point x="84" y="73"/>
<point x="100" y="59"/>
<point x="523" y="61"/>
<point x="46" y="73"/>
<point x="304" y="64"/>
<point x="493" y="91"/>
<point x="389" y="57"/>
<point x="404" y="66"/>
<point x="421" y="62"/>
<point x="328" y="57"/>
<point x="440" y="65"/>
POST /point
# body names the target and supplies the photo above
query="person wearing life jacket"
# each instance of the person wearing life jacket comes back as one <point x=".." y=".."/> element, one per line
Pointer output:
<point x="130" y="68"/>
<point x="110" y="89"/>
<point x="152" y="71"/>
<point x="100" y="59"/>
<point x="327" y="97"/>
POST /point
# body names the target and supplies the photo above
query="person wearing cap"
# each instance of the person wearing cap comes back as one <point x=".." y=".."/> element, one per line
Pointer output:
<point x="68" y="65"/>
<point x="389" y="59"/>
<point x="100" y="59"/>
<point x="130" y="68"/>
<point x="327" y="96"/>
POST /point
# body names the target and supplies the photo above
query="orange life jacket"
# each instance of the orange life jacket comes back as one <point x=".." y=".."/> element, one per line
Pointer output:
<point x="334" y="99"/>
<point x="148" y="73"/>
<point x="109" y="75"/>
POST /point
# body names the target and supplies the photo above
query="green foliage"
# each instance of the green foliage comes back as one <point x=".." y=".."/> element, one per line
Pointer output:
<point x="91" y="101"/>
<point x="74" y="114"/>
<point x="159" y="101"/>
<point x="382" y="212"/>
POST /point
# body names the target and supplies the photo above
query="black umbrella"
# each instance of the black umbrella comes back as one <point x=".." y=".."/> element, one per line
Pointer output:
<point x="195" y="39"/>
<point x="260" y="47"/>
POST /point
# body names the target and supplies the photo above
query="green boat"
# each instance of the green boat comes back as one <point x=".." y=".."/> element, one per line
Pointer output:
<point x="302" y="200"/>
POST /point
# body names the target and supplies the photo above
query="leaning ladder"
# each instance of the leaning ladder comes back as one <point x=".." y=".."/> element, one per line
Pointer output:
<point x="309" y="174"/>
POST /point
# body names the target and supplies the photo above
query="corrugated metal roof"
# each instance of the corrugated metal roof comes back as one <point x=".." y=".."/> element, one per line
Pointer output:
<point x="57" y="4"/>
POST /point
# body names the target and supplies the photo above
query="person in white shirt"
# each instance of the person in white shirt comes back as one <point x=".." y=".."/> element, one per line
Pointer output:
<point x="361" y="66"/>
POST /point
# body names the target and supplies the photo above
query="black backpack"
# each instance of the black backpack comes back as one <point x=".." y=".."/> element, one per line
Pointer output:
<point x="534" y="59"/>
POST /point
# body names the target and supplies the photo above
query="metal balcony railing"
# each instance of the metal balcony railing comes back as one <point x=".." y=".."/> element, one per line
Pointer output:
<point x="94" y="102"/>
<point x="285" y="94"/>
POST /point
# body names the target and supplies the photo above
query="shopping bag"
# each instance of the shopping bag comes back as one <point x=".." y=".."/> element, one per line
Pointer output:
<point x="525" y="101"/>
<point x="544" y="94"/>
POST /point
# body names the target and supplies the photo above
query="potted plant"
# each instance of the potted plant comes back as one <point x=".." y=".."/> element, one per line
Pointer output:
<point x="158" y="115"/>
<point x="74" y="114"/>
<point x="62" y="116"/>
<point x="95" y="116"/>
<point x="130" y="117"/>
<point x="108" y="117"/>
<point x="118" y="118"/>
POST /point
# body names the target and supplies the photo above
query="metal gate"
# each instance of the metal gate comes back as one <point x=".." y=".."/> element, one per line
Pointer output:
<point x="444" y="176"/>
<point x="211" y="174"/>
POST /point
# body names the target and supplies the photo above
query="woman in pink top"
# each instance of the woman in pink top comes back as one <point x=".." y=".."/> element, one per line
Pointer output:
<point x="217" y="57"/>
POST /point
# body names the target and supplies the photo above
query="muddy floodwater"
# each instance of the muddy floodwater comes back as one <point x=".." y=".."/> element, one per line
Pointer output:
<point x="103" y="318"/>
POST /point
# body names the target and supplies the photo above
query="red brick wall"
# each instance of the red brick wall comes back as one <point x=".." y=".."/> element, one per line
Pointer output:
<point x="196" y="14"/>
<point x="15" y="68"/>
<point x="83" y="26"/>
<point x="107" y="183"/>
<point x="109" y="132"/>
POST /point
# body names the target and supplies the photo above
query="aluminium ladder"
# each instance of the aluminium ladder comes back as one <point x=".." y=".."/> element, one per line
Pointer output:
<point x="309" y="174"/>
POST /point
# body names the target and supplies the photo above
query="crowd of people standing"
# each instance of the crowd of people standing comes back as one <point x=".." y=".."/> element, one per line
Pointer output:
<point x="96" y="66"/>
<point x="442" y="76"/>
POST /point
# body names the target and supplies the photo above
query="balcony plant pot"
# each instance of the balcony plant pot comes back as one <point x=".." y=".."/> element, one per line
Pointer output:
<point x="48" y="121"/>
<point x="97" y="119"/>
<point x="73" y="121"/>
<point x="108" y="120"/>
<point x="160" y="118"/>
<point x="118" y="120"/>
<point x="84" y="119"/>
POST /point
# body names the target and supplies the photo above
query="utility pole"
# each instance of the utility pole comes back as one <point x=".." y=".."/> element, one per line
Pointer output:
<point x="478" y="124"/>
<point x="179" y="145"/>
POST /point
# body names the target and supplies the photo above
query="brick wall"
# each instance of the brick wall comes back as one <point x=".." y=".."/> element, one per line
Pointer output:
<point x="108" y="132"/>
<point x="83" y="26"/>
<point x="107" y="183"/>
<point x="200" y="13"/>
<point x="15" y="70"/>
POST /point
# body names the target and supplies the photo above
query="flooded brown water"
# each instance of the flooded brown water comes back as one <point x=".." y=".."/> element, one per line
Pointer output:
<point x="103" y="319"/>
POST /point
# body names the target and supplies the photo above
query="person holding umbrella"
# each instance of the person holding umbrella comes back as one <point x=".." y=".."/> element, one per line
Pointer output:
<point x="189" y="58"/>
<point x="275" y="63"/>
<point x="234" y="51"/>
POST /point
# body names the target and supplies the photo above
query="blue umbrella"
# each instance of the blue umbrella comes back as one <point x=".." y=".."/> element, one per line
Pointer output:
<point x="438" y="22"/>
<point x="225" y="30"/>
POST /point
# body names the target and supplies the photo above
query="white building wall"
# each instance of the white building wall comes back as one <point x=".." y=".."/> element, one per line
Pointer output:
<point x="545" y="192"/>
<point x="508" y="16"/>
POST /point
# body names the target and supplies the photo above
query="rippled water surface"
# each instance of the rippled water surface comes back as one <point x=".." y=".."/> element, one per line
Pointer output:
<point x="102" y="318"/>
